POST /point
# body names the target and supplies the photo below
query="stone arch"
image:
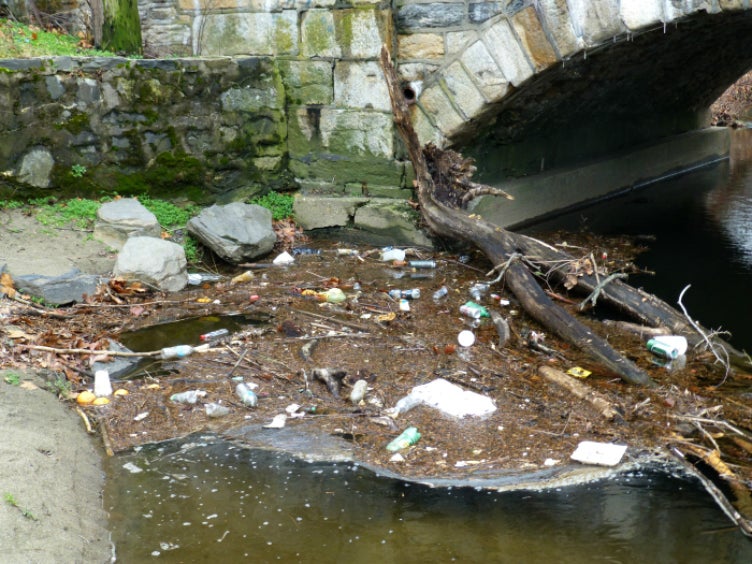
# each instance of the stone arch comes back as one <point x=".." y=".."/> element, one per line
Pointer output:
<point x="517" y="51"/>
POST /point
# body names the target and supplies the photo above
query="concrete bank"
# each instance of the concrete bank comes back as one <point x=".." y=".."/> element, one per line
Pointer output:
<point x="558" y="191"/>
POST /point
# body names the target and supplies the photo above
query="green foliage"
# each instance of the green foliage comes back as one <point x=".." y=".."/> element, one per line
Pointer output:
<point x="169" y="215"/>
<point x="10" y="499"/>
<point x="11" y="204"/>
<point x="19" y="41"/>
<point x="77" y="170"/>
<point x="12" y="378"/>
<point x="193" y="251"/>
<point x="81" y="212"/>
<point x="61" y="386"/>
<point x="279" y="204"/>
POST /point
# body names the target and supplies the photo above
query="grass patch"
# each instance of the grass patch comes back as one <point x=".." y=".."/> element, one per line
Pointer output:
<point x="80" y="212"/>
<point x="12" y="378"/>
<point x="279" y="204"/>
<point x="18" y="41"/>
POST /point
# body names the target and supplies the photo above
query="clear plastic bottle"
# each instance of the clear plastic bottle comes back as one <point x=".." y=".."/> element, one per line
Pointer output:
<point x="413" y="294"/>
<point x="211" y="335"/>
<point x="246" y="395"/>
<point x="440" y="293"/>
<point x="180" y="351"/>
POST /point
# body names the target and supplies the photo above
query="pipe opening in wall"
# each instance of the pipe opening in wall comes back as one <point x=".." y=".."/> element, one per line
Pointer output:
<point x="409" y="93"/>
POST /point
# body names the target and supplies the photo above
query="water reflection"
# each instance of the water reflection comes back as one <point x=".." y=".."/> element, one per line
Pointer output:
<point x="205" y="500"/>
<point x="729" y="204"/>
<point x="703" y="238"/>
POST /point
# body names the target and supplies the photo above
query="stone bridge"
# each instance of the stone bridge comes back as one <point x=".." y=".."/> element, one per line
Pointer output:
<point x="524" y="86"/>
<point x="527" y="87"/>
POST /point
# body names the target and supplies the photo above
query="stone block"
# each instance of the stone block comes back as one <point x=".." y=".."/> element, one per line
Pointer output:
<point x="310" y="82"/>
<point x="431" y="15"/>
<point x="436" y="102"/>
<point x="479" y="12"/>
<point x="466" y="96"/>
<point x="315" y="212"/>
<point x="36" y="167"/>
<point x="506" y="50"/>
<point x="421" y="46"/>
<point x="533" y="38"/>
<point x="250" y="33"/>
<point x="393" y="220"/>
<point x="377" y="191"/>
<point x="426" y="130"/>
<point x="555" y="15"/>
<point x="457" y="41"/>
<point x="595" y="22"/>
<point x="483" y="68"/>
<point x="362" y="32"/>
<point x="119" y="220"/>
<point x="637" y="14"/>
<point x="731" y="5"/>
<point x="318" y="35"/>
<point x="360" y="85"/>
<point x="252" y="100"/>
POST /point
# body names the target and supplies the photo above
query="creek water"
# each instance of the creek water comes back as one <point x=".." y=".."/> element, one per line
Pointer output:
<point x="203" y="499"/>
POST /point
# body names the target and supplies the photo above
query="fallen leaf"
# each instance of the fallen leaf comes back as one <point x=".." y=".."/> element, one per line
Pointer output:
<point x="26" y="385"/>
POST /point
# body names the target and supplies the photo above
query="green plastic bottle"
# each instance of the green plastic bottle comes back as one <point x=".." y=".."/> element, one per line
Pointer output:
<point x="408" y="437"/>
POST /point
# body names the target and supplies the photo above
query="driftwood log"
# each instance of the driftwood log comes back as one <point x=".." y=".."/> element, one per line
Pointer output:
<point x="443" y="189"/>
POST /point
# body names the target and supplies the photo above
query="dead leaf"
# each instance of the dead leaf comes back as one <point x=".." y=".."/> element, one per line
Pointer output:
<point x="570" y="281"/>
<point x="6" y="285"/>
<point x="137" y="310"/>
<point x="26" y="385"/>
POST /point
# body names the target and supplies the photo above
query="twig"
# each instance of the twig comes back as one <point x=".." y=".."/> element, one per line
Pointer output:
<point x="604" y="407"/>
<point x="593" y="297"/>
<point x="502" y="268"/>
<point x="86" y="420"/>
<point x="724" y="361"/>
<point x="100" y="352"/>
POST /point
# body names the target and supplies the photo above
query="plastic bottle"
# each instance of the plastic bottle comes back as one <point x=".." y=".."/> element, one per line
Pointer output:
<point x="388" y="254"/>
<point x="404" y="305"/>
<point x="662" y="349"/>
<point x="215" y="410"/>
<point x="409" y="436"/>
<point x="440" y="293"/>
<point x="191" y="396"/>
<point x="347" y="252"/>
<point x="358" y="391"/>
<point x="180" y="351"/>
<point x="413" y="294"/>
<point x="246" y="395"/>
<point x="422" y="263"/>
<point x="476" y="311"/>
<point x="196" y="278"/>
<point x="211" y="335"/>
<point x="477" y="291"/>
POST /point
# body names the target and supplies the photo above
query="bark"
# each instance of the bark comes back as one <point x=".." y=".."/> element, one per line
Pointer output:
<point x="441" y="177"/>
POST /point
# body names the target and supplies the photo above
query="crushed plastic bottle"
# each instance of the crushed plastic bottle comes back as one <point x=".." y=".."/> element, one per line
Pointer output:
<point x="348" y="252"/>
<point x="333" y="296"/>
<point x="196" y="278"/>
<point x="246" y="395"/>
<point x="190" y="397"/>
<point x="409" y="437"/>
<point x="215" y="410"/>
<point x="389" y="254"/>
<point x="477" y="291"/>
<point x="422" y="264"/>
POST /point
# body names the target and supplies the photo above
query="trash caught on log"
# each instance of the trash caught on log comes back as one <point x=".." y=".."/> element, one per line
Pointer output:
<point x="442" y="178"/>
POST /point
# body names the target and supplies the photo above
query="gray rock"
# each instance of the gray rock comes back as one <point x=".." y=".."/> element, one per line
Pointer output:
<point x="236" y="232"/>
<point x="118" y="365"/>
<point x="157" y="263"/>
<point x="124" y="218"/>
<point x="36" y="167"/>
<point x="64" y="289"/>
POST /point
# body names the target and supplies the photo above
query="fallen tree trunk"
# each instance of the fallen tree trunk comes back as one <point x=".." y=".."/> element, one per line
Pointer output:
<point x="439" y="172"/>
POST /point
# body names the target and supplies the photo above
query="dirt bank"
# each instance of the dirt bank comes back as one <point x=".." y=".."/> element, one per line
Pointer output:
<point x="50" y="473"/>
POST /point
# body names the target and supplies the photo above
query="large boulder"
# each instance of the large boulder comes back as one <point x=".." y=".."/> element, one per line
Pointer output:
<point x="157" y="263"/>
<point x="70" y="287"/>
<point x="120" y="219"/>
<point x="236" y="232"/>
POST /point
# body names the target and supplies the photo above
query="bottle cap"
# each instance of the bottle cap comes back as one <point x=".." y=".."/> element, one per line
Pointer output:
<point x="466" y="338"/>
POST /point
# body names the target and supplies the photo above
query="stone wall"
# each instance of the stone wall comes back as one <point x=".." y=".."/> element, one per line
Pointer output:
<point x="214" y="128"/>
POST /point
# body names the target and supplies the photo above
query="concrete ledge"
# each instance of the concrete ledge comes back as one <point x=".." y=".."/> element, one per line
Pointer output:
<point x="556" y="191"/>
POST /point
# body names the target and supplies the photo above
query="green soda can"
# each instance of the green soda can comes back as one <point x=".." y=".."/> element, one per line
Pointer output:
<point x="408" y="437"/>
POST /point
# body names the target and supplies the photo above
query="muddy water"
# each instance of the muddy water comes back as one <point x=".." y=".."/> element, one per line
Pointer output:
<point x="205" y="500"/>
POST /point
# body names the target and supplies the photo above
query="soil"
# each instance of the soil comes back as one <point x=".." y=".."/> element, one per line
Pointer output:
<point x="281" y="331"/>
